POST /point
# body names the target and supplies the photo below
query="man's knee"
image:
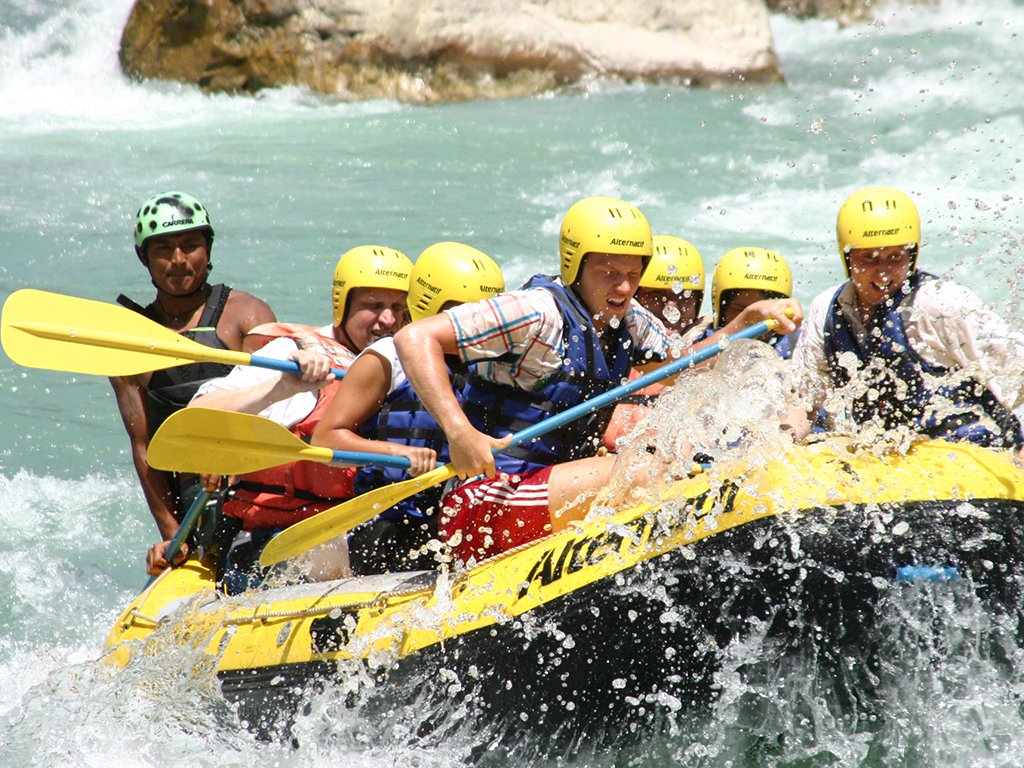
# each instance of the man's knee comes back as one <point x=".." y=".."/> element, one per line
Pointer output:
<point x="572" y="486"/>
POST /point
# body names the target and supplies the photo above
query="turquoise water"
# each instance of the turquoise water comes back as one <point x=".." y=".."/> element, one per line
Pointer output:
<point x="926" y="98"/>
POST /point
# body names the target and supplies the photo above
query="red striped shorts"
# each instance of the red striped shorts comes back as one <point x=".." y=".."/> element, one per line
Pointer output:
<point x="495" y="514"/>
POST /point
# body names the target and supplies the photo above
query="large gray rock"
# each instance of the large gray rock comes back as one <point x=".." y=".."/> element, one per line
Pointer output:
<point x="845" y="11"/>
<point x="431" y="50"/>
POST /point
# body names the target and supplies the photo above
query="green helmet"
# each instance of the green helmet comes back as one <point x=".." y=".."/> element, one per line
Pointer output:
<point x="170" y="212"/>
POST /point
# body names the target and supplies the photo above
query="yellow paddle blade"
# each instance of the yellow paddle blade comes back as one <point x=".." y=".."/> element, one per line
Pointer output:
<point x="335" y="521"/>
<point x="39" y="329"/>
<point x="215" y="442"/>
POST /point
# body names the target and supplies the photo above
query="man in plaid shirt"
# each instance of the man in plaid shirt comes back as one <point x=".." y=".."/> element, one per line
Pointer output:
<point x="537" y="352"/>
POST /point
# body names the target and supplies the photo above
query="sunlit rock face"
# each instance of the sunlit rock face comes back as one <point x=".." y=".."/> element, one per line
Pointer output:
<point x="446" y="50"/>
<point x="845" y="11"/>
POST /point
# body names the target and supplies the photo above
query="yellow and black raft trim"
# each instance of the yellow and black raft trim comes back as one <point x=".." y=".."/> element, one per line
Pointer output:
<point x="579" y="626"/>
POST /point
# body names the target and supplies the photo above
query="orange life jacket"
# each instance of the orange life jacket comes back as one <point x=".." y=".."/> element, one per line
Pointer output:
<point x="306" y="336"/>
<point x="280" y="496"/>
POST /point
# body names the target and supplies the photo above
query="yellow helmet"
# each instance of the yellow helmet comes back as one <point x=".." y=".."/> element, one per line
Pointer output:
<point x="368" y="266"/>
<point x="602" y="225"/>
<point x="750" y="268"/>
<point x="675" y="264"/>
<point x="877" y="217"/>
<point x="451" y="272"/>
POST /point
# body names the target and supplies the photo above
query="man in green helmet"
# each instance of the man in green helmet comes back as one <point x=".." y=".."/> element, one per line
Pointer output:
<point x="173" y="240"/>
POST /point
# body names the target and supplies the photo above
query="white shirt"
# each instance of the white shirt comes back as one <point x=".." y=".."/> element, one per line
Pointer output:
<point x="385" y="347"/>
<point x="516" y="337"/>
<point x="947" y="325"/>
<point x="287" y="412"/>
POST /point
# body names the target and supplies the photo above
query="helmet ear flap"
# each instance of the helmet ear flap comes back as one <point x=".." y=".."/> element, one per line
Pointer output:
<point x="581" y="264"/>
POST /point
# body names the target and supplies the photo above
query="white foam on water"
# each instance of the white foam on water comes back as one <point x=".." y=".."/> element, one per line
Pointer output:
<point x="942" y="694"/>
<point x="756" y="166"/>
<point x="63" y="74"/>
<point x="66" y="557"/>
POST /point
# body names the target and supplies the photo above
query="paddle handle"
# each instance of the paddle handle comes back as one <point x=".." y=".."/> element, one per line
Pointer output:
<point x="612" y="395"/>
<point x="188" y="522"/>
<point x="285" y="366"/>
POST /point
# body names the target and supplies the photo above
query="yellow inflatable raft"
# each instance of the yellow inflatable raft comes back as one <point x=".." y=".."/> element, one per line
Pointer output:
<point x="579" y="627"/>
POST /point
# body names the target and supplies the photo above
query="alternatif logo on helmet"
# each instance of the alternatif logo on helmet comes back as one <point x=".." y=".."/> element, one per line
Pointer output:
<point x="877" y="217"/>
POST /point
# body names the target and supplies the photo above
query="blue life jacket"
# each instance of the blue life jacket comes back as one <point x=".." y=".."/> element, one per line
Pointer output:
<point x="403" y="419"/>
<point x="785" y="345"/>
<point x="898" y="380"/>
<point x="593" y="363"/>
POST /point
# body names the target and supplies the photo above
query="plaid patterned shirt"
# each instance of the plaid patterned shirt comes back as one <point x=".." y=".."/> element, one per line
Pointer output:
<point x="516" y="337"/>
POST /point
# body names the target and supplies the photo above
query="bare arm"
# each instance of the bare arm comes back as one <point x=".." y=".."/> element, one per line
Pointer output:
<point x="421" y="348"/>
<point x="316" y="374"/>
<point x="359" y="396"/>
<point x="156" y="487"/>
<point x="242" y="313"/>
<point x="787" y="312"/>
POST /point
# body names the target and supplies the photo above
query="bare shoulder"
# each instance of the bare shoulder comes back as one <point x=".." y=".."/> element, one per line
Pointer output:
<point x="242" y="313"/>
<point x="245" y="311"/>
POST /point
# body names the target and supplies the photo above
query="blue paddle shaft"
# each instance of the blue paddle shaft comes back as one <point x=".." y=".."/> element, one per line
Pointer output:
<point x="285" y="366"/>
<point x="595" y="403"/>
<point x="543" y="427"/>
<point x="188" y="522"/>
<point x="371" y="459"/>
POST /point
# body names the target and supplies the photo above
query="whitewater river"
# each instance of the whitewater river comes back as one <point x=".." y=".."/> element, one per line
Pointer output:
<point x="927" y="98"/>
